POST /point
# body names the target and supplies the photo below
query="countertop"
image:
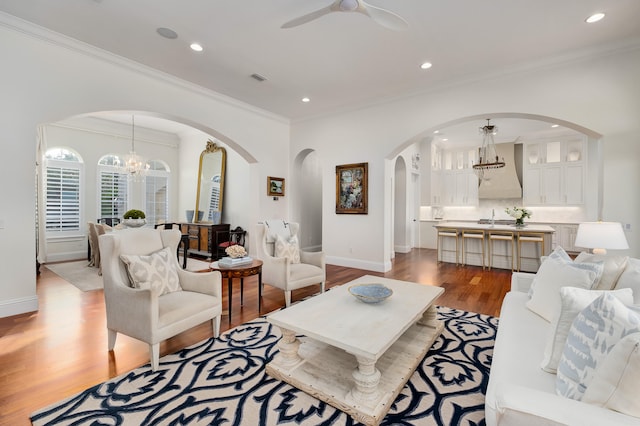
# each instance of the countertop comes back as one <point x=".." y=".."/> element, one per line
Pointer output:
<point x="529" y="227"/>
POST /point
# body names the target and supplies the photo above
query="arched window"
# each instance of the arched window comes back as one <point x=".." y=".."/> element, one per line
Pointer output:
<point x="113" y="188"/>
<point x="157" y="192"/>
<point x="63" y="192"/>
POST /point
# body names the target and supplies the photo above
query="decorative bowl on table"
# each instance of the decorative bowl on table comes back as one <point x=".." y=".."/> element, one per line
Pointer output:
<point x="370" y="293"/>
<point x="134" y="223"/>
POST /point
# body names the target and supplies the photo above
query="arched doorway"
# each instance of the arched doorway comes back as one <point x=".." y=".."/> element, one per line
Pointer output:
<point x="307" y="210"/>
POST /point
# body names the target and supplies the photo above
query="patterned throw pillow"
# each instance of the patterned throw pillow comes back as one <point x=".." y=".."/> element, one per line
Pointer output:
<point x="557" y="271"/>
<point x="572" y="301"/>
<point x="155" y="271"/>
<point x="616" y="382"/>
<point x="594" y="332"/>
<point x="288" y="249"/>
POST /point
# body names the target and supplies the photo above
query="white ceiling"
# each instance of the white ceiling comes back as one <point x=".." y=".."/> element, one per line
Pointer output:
<point x="342" y="60"/>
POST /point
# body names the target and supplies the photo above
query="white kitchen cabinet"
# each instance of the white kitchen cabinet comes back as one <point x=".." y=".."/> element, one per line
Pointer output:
<point x="565" y="236"/>
<point x="466" y="188"/>
<point x="554" y="173"/>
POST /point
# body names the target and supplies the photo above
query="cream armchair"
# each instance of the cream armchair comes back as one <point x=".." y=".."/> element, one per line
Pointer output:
<point x="144" y="314"/>
<point x="281" y="272"/>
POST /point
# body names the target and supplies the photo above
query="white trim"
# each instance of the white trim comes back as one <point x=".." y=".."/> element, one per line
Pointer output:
<point x="18" y="306"/>
<point x="66" y="256"/>
<point x="359" y="264"/>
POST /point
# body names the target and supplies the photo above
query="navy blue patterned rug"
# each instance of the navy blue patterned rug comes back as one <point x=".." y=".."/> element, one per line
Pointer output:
<point x="223" y="382"/>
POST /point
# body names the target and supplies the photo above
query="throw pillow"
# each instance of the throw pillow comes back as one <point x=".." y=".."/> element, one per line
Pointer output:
<point x="616" y="381"/>
<point x="557" y="271"/>
<point x="288" y="249"/>
<point x="630" y="278"/>
<point x="156" y="271"/>
<point x="613" y="266"/>
<point x="594" y="332"/>
<point x="572" y="301"/>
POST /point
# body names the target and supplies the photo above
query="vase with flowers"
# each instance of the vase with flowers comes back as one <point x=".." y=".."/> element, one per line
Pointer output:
<point x="519" y="214"/>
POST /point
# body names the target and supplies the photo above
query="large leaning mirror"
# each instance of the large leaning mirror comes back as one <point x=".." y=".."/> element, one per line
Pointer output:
<point x="210" y="184"/>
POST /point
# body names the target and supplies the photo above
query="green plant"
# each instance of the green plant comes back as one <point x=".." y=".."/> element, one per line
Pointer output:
<point x="134" y="214"/>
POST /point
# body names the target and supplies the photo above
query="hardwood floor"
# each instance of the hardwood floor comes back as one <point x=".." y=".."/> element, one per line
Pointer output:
<point x="60" y="350"/>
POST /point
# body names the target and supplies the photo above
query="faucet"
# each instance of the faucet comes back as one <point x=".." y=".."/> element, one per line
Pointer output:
<point x="493" y="217"/>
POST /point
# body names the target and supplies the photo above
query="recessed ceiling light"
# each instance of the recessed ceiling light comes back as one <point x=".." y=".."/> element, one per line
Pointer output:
<point x="426" y="65"/>
<point x="445" y="139"/>
<point x="196" y="47"/>
<point x="594" y="18"/>
<point x="555" y="125"/>
<point x="167" y="33"/>
<point x="305" y="99"/>
<point x="436" y="131"/>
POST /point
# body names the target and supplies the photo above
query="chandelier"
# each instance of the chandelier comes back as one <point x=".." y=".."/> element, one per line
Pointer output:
<point x="134" y="166"/>
<point x="487" y="156"/>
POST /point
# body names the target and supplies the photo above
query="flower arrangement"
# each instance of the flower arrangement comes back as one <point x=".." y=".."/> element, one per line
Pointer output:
<point x="519" y="214"/>
<point x="235" y="251"/>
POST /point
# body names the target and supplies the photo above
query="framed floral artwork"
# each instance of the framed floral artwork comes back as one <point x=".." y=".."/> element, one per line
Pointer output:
<point x="352" y="188"/>
<point x="275" y="186"/>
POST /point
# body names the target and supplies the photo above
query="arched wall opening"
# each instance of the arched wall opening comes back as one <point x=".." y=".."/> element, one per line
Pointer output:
<point x="176" y="142"/>
<point x="593" y="206"/>
<point x="306" y="186"/>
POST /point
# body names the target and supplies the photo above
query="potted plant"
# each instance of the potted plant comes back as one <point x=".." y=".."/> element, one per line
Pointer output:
<point x="134" y="218"/>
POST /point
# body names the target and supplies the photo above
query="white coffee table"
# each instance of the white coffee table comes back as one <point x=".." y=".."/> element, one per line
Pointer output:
<point x="356" y="356"/>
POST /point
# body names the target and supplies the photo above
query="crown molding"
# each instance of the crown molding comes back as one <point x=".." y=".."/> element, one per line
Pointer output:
<point x="60" y="40"/>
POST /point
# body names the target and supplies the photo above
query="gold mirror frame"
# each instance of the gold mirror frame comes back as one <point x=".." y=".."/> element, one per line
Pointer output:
<point x="210" y="184"/>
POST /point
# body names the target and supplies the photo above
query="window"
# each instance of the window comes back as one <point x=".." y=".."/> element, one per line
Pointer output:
<point x="157" y="192"/>
<point x="113" y="188"/>
<point x="63" y="191"/>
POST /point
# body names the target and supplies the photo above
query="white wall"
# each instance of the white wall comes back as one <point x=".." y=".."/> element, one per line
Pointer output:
<point x="49" y="80"/>
<point x="601" y="93"/>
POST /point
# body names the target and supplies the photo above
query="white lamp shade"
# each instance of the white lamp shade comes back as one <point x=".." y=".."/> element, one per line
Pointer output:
<point x="601" y="235"/>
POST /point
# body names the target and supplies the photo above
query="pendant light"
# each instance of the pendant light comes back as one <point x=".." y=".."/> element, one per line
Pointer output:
<point x="135" y="167"/>
<point x="487" y="155"/>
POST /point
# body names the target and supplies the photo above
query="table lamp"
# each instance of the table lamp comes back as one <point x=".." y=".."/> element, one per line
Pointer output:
<point x="600" y="236"/>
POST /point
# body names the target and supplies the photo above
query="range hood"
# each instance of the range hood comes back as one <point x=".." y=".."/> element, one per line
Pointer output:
<point x="503" y="182"/>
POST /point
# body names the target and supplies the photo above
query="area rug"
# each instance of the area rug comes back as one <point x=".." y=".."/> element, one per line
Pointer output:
<point x="78" y="273"/>
<point x="86" y="277"/>
<point x="223" y="382"/>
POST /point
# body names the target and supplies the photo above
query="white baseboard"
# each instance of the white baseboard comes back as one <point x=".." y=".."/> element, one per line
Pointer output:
<point x="71" y="255"/>
<point x="402" y="249"/>
<point x="18" y="306"/>
<point x="359" y="264"/>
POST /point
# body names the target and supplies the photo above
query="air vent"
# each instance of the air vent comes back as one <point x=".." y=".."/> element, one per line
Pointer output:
<point x="258" y="77"/>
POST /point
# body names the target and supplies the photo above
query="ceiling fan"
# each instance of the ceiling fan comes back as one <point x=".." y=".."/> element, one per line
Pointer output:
<point x="381" y="16"/>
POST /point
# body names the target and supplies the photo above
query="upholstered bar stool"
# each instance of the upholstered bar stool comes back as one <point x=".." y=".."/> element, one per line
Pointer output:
<point x="446" y="233"/>
<point x="475" y="234"/>
<point x="529" y="237"/>
<point x="507" y="236"/>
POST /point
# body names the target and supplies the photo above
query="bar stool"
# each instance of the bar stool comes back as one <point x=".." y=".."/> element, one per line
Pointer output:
<point x="502" y="236"/>
<point x="446" y="233"/>
<point x="476" y="234"/>
<point x="529" y="237"/>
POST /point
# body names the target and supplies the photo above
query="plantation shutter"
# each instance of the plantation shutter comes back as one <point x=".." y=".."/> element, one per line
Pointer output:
<point x="157" y="199"/>
<point x="63" y="199"/>
<point x="113" y="194"/>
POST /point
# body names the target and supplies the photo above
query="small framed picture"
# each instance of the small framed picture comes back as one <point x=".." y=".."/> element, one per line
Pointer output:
<point x="275" y="186"/>
<point x="352" y="188"/>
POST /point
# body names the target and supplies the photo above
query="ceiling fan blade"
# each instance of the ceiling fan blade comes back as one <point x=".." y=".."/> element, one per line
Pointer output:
<point x="308" y="17"/>
<point x="385" y="17"/>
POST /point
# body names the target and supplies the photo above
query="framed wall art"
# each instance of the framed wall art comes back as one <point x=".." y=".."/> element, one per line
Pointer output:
<point x="275" y="186"/>
<point x="352" y="188"/>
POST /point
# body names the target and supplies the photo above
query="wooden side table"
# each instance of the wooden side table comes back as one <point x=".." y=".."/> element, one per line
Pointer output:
<point x="240" y="271"/>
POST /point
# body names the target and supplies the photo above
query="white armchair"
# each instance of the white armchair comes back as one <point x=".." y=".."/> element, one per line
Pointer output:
<point x="281" y="272"/>
<point x="145" y="314"/>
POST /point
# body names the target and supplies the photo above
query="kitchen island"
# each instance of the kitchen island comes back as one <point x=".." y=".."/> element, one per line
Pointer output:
<point x="526" y="253"/>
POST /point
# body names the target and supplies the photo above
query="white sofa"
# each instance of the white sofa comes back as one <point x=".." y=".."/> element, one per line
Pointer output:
<point x="519" y="392"/>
